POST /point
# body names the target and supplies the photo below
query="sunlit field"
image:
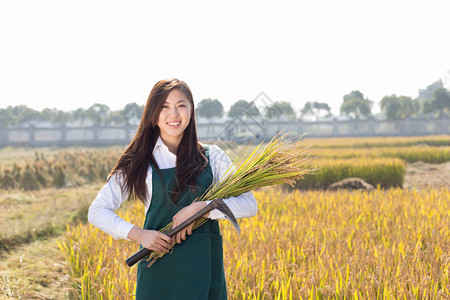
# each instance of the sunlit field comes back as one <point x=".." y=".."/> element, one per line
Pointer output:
<point x="302" y="245"/>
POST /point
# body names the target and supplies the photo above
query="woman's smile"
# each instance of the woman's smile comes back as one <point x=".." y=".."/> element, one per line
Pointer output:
<point x="174" y="118"/>
<point x="174" y="124"/>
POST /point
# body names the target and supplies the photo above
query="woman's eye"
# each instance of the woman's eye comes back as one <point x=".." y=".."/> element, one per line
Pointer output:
<point x="182" y="105"/>
<point x="165" y="106"/>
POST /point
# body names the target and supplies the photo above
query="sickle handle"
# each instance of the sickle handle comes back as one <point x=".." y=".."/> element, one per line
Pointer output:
<point x="133" y="259"/>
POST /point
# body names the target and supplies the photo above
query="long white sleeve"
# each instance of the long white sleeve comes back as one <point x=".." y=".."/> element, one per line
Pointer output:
<point x="242" y="206"/>
<point x="110" y="197"/>
<point x="101" y="212"/>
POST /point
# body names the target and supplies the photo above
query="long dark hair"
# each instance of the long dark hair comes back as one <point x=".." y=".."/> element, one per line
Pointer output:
<point x="135" y="160"/>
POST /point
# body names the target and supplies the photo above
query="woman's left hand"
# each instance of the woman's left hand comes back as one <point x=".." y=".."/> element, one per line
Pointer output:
<point x="184" y="214"/>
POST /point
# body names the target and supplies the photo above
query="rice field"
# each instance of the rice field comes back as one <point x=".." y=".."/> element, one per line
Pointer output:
<point x="379" y="161"/>
<point x="303" y="244"/>
<point x="379" y="142"/>
<point x="383" y="172"/>
<point x="411" y="154"/>
<point x="383" y="244"/>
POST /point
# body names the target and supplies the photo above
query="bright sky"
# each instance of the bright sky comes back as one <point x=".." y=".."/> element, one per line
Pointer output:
<point x="70" y="54"/>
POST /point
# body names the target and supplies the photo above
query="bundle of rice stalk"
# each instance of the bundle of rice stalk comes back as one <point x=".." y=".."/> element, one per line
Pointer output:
<point x="282" y="160"/>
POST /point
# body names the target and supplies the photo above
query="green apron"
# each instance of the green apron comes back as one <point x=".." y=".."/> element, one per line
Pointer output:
<point x="194" y="269"/>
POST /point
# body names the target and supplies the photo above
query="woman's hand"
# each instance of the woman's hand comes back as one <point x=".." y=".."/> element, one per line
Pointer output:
<point x="151" y="239"/>
<point x="184" y="214"/>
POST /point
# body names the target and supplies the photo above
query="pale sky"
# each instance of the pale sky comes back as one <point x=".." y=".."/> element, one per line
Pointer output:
<point x="70" y="54"/>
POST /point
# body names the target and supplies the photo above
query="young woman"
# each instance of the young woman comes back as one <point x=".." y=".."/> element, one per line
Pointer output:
<point x="166" y="168"/>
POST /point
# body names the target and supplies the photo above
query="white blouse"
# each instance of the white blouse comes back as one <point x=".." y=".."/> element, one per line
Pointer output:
<point x="110" y="197"/>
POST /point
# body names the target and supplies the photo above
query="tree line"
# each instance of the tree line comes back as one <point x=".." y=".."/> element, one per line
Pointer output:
<point x="432" y="102"/>
<point x="97" y="114"/>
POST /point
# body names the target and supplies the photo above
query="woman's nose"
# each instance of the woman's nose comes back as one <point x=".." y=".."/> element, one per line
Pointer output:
<point x="175" y="111"/>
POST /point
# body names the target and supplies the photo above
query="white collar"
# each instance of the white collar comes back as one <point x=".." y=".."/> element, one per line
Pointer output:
<point x="160" y="144"/>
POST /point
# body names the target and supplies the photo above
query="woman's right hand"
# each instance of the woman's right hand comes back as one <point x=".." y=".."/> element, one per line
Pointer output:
<point x="151" y="239"/>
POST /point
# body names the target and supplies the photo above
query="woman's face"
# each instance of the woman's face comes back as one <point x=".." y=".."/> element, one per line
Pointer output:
<point x="174" y="117"/>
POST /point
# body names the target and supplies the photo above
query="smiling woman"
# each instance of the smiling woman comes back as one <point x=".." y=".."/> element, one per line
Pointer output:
<point x="167" y="169"/>
<point x="174" y="118"/>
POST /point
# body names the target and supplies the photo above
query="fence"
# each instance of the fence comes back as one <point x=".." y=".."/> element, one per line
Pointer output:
<point x="239" y="130"/>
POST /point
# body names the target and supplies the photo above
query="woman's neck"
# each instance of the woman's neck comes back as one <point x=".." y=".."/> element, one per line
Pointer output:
<point x="171" y="143"/>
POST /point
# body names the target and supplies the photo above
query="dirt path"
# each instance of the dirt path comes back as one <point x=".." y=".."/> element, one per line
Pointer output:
<point x="420" y="175"/>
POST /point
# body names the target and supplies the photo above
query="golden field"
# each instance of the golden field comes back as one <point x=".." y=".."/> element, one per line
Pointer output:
<point x="378" y="142"/>
<point x="382" y="244"/>
<point x="379" y="161"/>
<point x="410" y="154"/>
<point x="303" y="244"/>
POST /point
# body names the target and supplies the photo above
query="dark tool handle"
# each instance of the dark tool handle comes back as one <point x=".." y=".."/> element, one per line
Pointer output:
<point x="133" y="259"/>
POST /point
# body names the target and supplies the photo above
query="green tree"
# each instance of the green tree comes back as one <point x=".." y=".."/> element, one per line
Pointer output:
<point x="6" y="118"/>
<point x="354" y="94"/>
<point x="356" y="106"/>
<point x="56" y="116"/>
<point x="441" y="101"/>
<point x="278" y="109"/>
<point x="316" y="109"/>
<point x="80" y="115"/>
<point x="427" y="107"/>
<point x="209" y="108"/>
<point x="21" y="114"/>
<point x="243" y="108"/>
<point x="398" y="107"/>
<point x="132" y="113"/>
<point x="117" y="118"/>
<point x="428" y="92"/>
<point x="99" y="114"/>
<point x="425" y="97"/>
